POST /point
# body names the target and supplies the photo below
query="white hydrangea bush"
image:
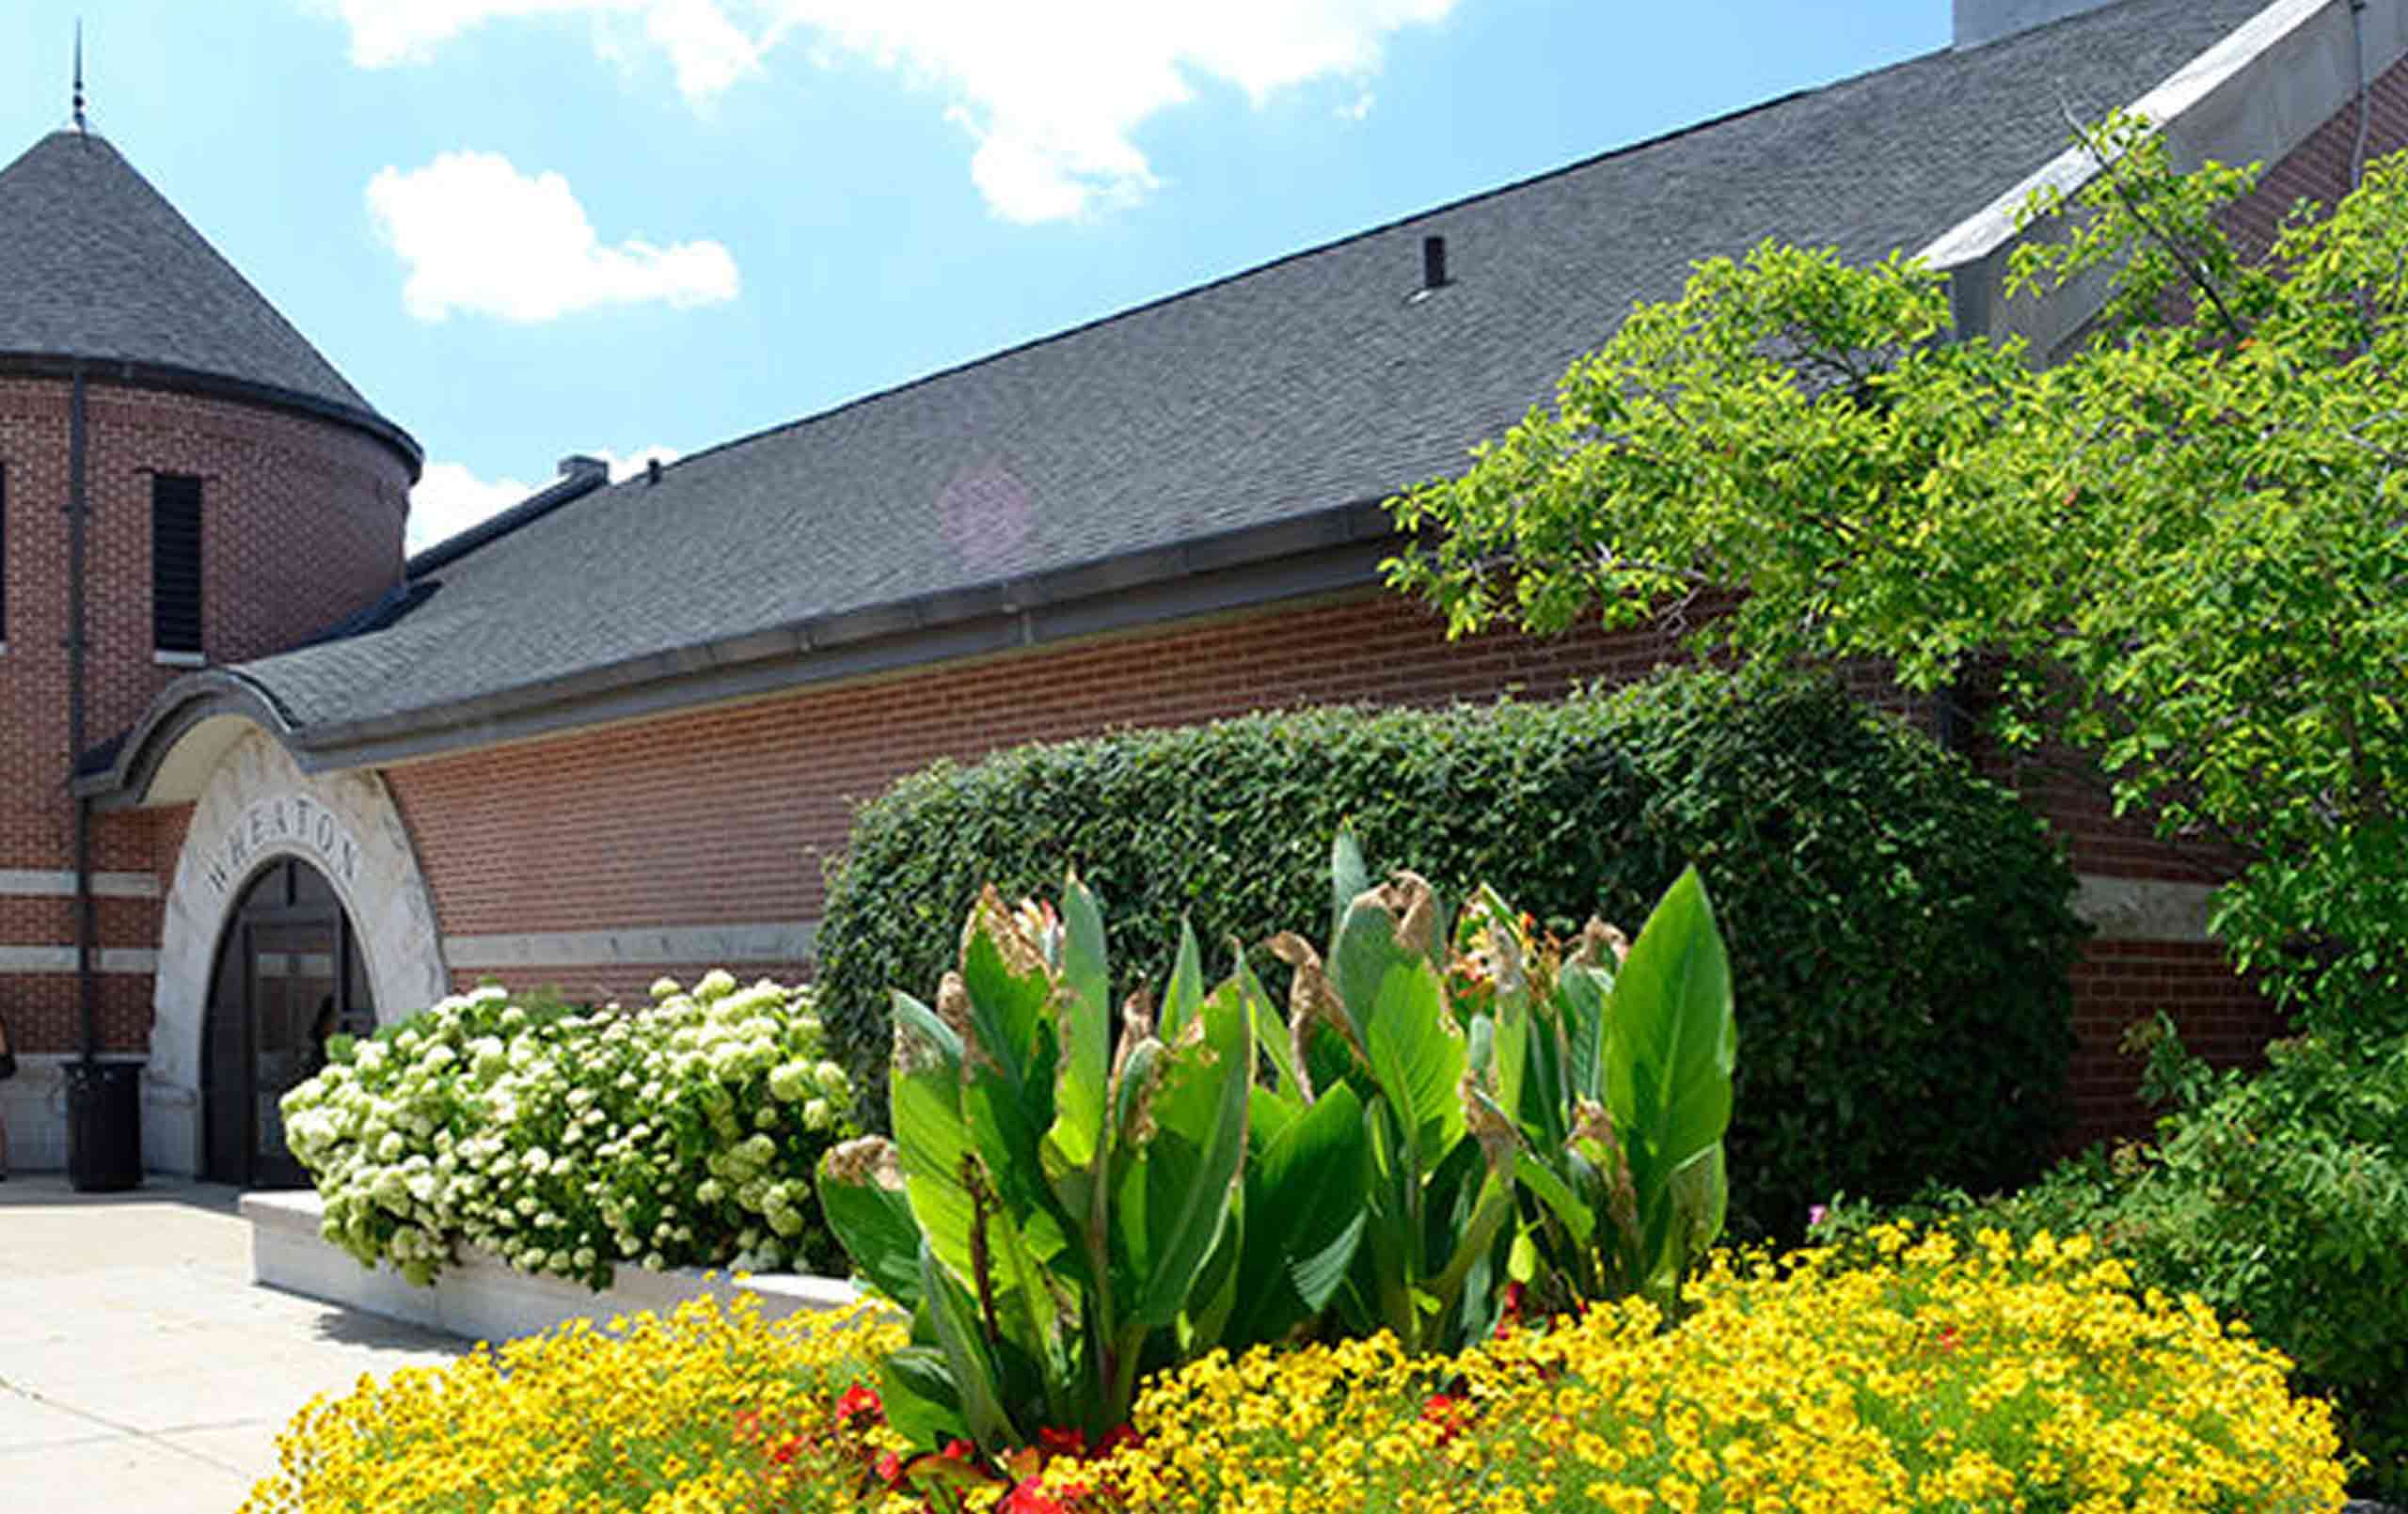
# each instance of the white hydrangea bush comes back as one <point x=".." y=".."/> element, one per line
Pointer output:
<point x="680" y="1135"/>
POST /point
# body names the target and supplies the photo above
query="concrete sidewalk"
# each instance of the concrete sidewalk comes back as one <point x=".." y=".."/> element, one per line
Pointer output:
<point x="141" y="1371"/>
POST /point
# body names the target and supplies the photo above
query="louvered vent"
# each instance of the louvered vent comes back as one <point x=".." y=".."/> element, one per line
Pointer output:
<point x="175" y="562"/>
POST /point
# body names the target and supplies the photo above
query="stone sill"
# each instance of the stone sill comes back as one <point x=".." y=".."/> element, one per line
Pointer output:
<point x="479" y="1298"/>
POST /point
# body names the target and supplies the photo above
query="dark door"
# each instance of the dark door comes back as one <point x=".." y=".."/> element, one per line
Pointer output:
<point x="288" y="977"/>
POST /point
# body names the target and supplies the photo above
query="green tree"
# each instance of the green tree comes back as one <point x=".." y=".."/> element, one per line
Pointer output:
<point x="2180" y="550"/>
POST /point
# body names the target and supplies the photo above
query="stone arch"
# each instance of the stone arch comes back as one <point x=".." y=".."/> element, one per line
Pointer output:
<point x="258" y="805"/>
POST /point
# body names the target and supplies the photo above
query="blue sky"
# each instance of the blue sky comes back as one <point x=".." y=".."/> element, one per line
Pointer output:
<point x="529" y="227"/>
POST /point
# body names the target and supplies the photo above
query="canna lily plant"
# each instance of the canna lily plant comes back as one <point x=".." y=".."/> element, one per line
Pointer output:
<point x="1059" y="1211"/>
<point x="1612" y="1062"/>
<point x="1063" y="1209"/>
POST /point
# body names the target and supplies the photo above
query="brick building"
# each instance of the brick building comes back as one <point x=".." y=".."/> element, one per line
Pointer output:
<point x="615" y="732"/>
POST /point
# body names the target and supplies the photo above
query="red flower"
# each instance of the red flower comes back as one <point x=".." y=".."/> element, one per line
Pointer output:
<point x="959" y="1450"/>
<point x="1029" y="1497"/>
<point x="747" y="1425"/>
<point x="784" y="1450"/>
<point x="1949" y="1339"/>
<point x="890" y="1468"/>
<point x="858" y="1399"/>
<point x="1061" y="1442"/>
<point x="1117" y="1437"/>
<point x="1446" y="1412"/>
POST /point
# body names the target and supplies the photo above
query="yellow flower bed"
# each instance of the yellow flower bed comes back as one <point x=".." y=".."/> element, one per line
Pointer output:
<point x="1994" y="1381"/>
<point x="690" y="1414"/>
<point x="1943" y="1382"/>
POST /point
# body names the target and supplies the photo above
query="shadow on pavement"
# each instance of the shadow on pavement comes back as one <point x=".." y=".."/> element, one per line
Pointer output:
<point x="31" y="1191"/>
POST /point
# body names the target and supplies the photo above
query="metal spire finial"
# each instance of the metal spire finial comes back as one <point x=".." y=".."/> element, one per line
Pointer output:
<point x="79" y="73"/>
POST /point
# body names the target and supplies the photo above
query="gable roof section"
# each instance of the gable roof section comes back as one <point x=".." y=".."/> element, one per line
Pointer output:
<point x="1281" y="398"/>
<point x="96" y="265"/>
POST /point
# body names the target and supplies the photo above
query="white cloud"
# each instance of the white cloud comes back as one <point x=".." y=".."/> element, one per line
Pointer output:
<point x="449" y="497"/>
<point x="628" y="464"/>
<point x="1052" y="91"/>
<point x="480" y="236"/>
<point x="707" y="51"/>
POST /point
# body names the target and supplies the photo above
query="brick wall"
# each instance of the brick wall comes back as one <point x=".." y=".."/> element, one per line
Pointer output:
<point x="301" y="525"/>
<point x="2318" y="168"/>
<point x="726" y="816"/>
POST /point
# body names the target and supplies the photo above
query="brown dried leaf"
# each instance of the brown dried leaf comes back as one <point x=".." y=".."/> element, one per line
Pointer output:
<point x="866" y="1159"/>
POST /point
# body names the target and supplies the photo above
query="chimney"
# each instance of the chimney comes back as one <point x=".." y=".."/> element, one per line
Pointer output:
<point x="580" y="469"/>
<point x="1434" y="262"/>
<point x="1980" y="21"/>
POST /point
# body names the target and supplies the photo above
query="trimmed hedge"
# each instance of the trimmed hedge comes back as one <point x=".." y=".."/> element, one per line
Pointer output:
<point x="1900" y="930"/>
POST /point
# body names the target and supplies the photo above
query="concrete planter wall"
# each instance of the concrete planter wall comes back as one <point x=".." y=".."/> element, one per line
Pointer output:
<point x="480" y="1298"/>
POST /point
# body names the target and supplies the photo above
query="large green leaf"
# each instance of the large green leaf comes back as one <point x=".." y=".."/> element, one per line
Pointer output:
<point x="1584" y="1002"/>
<point x="1418" y="1057"/>
<point x="1348" y="876"/>
<point x="1700" y="1191"/>
<point x="1172" y="1192"/>
<point x="1270" y="1032"/>
<point x="931" y="1139"/>
<point x="874" y="1223"/>
<point x="1186" y="991"/>
<point x="972" y="1365"/>
<point x="1008" y="1005"/>
<point x="920" y="1398"/>
<point x="1553" y="1190"/>
<point x="1305" y="1204"/>
<point x="1361" y="957"/>
<point x="1268" y="1117"/>
<point x="1389" y="1261"/>
<point x="1082" y="1016"/>
<point x="1008" y="1125"/>
<point x="1671" y="1041"/>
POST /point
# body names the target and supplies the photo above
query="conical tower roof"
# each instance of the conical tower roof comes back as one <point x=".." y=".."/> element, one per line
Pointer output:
<point x="95" y="264"/>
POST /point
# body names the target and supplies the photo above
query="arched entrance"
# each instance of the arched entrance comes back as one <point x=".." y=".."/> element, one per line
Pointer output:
<point x="288" y="974"/>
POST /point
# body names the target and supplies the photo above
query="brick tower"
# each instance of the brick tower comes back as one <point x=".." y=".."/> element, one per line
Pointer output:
<point x="185" y="481"/>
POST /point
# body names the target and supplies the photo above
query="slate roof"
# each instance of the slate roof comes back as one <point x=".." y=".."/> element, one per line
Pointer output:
<point x="1308" y="384"/>
<point x="95" y="264"/>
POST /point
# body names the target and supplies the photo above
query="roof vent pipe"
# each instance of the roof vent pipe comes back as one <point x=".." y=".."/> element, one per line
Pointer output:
<point x="651" y="471"/>
<point x="1989" y="21"/>
<point x="1434" y="262"/>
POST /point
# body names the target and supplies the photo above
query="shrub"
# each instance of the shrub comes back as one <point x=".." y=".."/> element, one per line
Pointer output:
<point x="2280" y="1198"/>
<point x="679" y="1135"/>
<point x="1903" y="929"/>
<point x="1939" y="1380"/>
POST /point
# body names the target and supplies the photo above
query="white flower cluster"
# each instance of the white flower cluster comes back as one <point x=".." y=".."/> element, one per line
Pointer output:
<point x="684" y="1134"/>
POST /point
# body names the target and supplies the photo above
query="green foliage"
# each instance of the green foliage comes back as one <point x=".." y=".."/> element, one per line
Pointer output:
<point x="2181" y="549"/>
<point x="1058" y="1212"/>
<point x="2280" y="1198"/>
<point x="1902" y="930"/>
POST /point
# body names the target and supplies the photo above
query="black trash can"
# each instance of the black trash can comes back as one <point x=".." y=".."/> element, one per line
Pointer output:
<point x="104" y="1125"/>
